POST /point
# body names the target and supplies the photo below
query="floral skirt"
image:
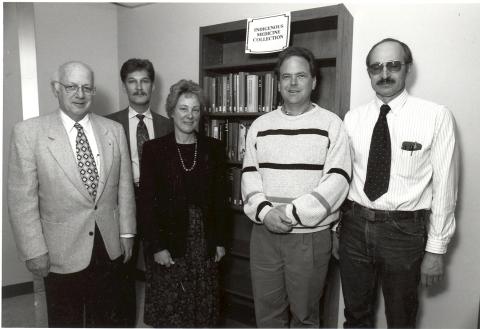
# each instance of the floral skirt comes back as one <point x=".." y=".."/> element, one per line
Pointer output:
<point x="187" y="293"/>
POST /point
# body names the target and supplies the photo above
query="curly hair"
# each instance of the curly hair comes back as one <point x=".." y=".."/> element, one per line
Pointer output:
<point x="180" y="88"/>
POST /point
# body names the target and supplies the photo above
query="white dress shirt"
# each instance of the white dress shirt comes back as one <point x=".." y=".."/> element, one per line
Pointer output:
<point x="132" y="128"/>
<point x="68" y="123"/>
<point x="426" y="178"/>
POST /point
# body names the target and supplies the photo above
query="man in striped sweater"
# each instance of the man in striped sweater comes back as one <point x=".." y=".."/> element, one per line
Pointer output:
<point x="296" y="174"/>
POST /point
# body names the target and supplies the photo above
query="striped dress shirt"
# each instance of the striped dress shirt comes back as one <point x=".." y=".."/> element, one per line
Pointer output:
<point x="424" y="167"/>
<point x="302" y="161"/>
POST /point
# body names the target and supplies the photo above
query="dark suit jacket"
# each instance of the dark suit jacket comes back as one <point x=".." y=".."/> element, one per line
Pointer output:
<point x="161" y="125"/>
<point x="163" y="204"/>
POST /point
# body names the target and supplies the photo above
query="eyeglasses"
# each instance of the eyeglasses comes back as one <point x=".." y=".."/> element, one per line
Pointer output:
<point x="392" y="66"/>
<point x="73" y="89"/>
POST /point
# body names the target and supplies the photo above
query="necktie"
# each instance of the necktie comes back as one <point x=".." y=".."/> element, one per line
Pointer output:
<point x="86" y="162"/>
<point x="142" y="135"/>
<point x="379" y="158"/>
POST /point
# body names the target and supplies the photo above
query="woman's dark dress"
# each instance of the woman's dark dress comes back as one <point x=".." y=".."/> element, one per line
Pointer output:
<point x="187" y="293"/>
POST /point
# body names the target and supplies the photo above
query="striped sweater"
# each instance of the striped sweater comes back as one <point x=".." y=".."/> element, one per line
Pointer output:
<point x="302" y="161"/>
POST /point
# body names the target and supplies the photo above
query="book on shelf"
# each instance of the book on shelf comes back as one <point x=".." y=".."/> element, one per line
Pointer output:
<point x="232" y="133"/>
<point x="241" y="92"/>
<point x="235" y="176"/>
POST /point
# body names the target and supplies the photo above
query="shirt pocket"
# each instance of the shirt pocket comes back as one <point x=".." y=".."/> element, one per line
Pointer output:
<point x="410" y="163"/>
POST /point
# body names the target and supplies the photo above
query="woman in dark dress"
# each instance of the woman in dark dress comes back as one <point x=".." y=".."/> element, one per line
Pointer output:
<point x="182" y="211"/>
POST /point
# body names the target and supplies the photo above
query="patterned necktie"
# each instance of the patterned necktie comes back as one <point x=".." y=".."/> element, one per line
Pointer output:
<point x="379" y="158"/>
<point x="86" y="162"/>
<point x="142" y="135"/>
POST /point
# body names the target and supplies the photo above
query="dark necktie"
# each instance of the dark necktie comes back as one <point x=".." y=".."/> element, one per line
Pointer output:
<point x="142" y="135"/>
<point x="379" y="158"/>
<point x="86" y="162"/>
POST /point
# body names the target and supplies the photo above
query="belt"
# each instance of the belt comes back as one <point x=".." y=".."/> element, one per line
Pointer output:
<point x="373" y="215"/>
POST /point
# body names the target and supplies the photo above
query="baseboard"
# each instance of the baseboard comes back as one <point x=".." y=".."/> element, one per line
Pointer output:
<point x="18" y="289"/>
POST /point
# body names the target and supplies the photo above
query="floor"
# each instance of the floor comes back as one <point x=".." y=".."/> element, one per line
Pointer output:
<point x="20" y="311"/>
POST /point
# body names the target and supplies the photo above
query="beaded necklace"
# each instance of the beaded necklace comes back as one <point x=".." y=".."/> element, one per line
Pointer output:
<point x="194" y="158"/>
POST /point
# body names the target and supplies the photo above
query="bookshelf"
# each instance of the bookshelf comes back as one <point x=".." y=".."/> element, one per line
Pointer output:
<point x="327" y="32"/>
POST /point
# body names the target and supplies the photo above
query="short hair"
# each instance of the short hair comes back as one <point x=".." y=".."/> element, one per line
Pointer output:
<point x="136" y="64"/>
<point x="300" y="52"/>
<point x="406" y="50"/>
<point x="180" y="88"/>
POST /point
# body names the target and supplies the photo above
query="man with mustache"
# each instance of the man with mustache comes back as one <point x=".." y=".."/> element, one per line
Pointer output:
<point x="399" y="215"/>
<point x="140" y="124"/>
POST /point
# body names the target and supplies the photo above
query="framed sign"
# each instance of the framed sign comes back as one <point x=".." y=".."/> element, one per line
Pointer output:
<point x="268" y="34"/>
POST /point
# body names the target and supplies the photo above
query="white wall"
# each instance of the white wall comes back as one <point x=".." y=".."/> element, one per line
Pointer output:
<point x="78" y="31"/>
<point x="168" y="35"/>
<point x="445" y="42"/>
<point x="13" y="270"/>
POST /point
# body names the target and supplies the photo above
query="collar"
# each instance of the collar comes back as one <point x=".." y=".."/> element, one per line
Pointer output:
<point x="395" y="104"/>
<point x="132" y="113"/>
<point x="69" y="123"/>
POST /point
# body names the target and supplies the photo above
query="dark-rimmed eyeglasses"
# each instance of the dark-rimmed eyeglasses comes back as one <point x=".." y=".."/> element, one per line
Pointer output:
<point x="73" y="89"/>
<point x="392" y="66"/>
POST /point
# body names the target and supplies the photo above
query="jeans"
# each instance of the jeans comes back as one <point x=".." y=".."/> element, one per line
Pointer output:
<point x="387" y="252"/>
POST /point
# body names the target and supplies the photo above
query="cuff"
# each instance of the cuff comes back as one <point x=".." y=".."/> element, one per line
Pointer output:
<point x="436" y="246"/>
<point x="264" y="212"/>
<point x="127" y="235"/>
<point x="289" y="212"/>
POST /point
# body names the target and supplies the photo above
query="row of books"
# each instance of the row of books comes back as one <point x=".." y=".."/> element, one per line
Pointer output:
<point x="241" y="92"/>
<point x="235" y="192"/>
<point x="232" y="133"/>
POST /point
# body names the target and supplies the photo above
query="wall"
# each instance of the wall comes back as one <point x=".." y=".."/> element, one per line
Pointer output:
<point x="445" y="42"/>
<point x="168" y="35"/>
<point x="78" y="31"/>
<point x="63" y="32"/>
<point x="13" y="270"/>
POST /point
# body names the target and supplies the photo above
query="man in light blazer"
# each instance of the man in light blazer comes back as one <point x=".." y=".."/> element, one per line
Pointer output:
<point x="140" y="124"/>
<point x="71" y="203"/>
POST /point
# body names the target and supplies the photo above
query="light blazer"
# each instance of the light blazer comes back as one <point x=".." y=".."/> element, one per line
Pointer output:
<point x="50" y="208"/>
<point x="161" y="125"/>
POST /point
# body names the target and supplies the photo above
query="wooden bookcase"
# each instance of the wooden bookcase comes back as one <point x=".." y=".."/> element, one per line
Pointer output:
<point x="327" y="32"/>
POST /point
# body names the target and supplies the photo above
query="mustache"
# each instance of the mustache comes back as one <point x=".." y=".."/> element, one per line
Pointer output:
<point x="140" y="93"/>
<point x="386" y="81"/>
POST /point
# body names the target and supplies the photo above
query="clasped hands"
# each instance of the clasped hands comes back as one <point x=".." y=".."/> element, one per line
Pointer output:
<point x="276" y="220"/>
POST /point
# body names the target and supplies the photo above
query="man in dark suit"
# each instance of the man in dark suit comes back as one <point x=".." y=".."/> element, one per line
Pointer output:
<point x="71" y="205"/>
<point x="140" y="124"/>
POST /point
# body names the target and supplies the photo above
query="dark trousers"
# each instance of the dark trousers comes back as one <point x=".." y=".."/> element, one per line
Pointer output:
<point x="128" y="299"/>
<point x="386" y="249"/>
<point x="88" y="298"/>
<point x="128" y="303"/>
